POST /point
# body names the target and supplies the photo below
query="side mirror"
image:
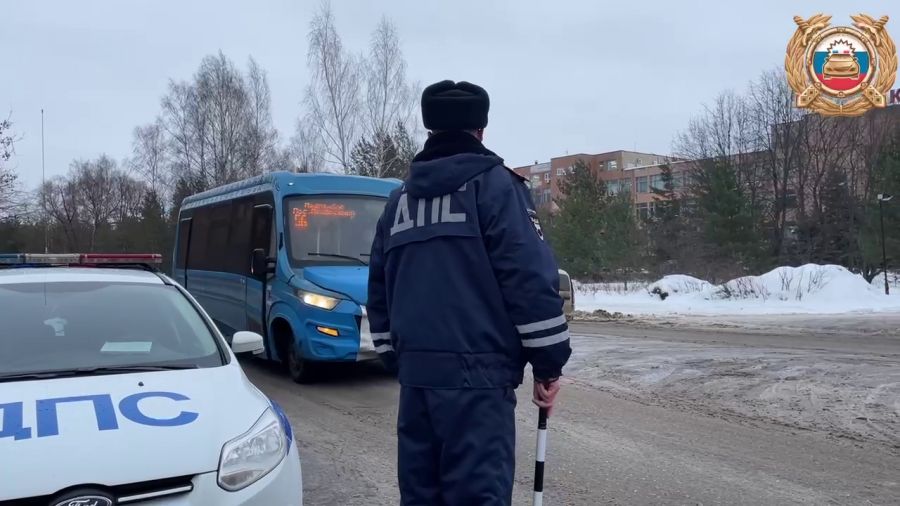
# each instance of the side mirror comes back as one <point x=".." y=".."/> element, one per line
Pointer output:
<point x="247" y="342"/>
<point x="259" y="263"/>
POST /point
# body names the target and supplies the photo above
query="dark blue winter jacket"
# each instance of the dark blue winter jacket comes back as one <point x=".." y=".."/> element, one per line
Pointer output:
<point x="463" y="290"/>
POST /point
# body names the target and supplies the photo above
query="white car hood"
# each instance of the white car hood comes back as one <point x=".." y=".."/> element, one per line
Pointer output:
<point x="204" y="407"/>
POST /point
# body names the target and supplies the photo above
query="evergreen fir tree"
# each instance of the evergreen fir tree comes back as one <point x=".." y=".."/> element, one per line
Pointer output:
<point x="577" y="227"/>
<point x="885" y="180"/>
<point x="728" y="231"/>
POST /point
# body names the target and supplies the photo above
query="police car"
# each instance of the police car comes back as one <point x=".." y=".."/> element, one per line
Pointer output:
<point x="116" y="388"/>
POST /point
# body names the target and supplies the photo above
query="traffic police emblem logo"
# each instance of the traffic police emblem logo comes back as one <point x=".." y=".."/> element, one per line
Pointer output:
<point x="841" y="70"/>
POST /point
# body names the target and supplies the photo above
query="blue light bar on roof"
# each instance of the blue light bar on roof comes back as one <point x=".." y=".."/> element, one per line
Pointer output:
<point x="51" y="258"/>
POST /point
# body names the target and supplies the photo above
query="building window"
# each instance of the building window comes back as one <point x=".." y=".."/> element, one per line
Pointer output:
<point x="535" y="180"/>
<point x="547" y="177"/>
<point x="638" y="161"/>
<point x="643" y="210"/>
<point x="656" y="182"/>
<point x="541" y="197"/>
<point x="642" y="184"/>
<point x="561" y="171"/>
<point x="625" y="186"/>
<point x="612" y="165"/>
<point x="612" y="187"/>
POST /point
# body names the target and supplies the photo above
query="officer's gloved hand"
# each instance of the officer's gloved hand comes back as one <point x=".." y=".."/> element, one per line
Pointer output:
<point x="545" y="393"/>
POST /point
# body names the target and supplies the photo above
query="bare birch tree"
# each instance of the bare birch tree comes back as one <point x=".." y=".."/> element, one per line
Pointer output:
<point x="7" y="175"/>
<point x="183" y="125"/>
<point x="64" y="210"/>
<point x="223" y="101"/>
<point x="150" y="157"/>
<point x="95" y="184"/>
<point x="219" y="125"/>
<point x="306" y="150"/>
<point x="779" y="133"/>
<point x="389" y="100"/>
<point x="262" y="138"/>
<point x="332" y="97"/>
<point x="389" y="97"/>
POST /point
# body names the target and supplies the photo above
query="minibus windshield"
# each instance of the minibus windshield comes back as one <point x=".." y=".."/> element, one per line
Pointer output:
<point x="332" y="229"/>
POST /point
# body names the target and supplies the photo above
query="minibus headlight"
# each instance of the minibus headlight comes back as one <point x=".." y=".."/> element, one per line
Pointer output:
<point x="317" y="300"/>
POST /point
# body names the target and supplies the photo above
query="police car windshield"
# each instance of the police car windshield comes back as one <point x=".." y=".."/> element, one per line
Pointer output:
<point x="75" y="325"/>
<point x="332" y="230"/>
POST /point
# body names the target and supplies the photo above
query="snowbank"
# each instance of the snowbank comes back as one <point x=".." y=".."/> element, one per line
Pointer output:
<point x="809" y="289"/>
<point x="677" y="284"/>
<point x="893" y="282"/>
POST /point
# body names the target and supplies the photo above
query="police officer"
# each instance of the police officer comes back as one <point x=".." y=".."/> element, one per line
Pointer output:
<point x="463" y="292"/>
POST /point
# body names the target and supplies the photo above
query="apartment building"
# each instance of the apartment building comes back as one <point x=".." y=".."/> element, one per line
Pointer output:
<point x="828" y="144"/>
<point x="540" y="181"/>
<point x="623" y="171"/>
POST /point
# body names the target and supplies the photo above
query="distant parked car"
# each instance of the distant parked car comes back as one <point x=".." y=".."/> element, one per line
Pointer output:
<point x="567" y="291"/>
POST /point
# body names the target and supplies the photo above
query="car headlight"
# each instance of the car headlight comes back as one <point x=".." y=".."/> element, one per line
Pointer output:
<point x="317" y="300"/>
<point x="249" y="457"/>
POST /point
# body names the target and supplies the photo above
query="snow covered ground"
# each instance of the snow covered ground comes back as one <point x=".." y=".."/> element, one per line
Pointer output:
<point x="850" y="394"/>
<point x="809" y="289"/>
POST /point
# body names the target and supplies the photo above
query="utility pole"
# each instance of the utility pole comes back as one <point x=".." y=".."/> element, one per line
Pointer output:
<point x="882" y="198"/>
<point x="44" y="191"/>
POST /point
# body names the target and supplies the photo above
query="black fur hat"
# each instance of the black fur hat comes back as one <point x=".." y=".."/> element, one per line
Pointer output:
<point x="455" y="106"/>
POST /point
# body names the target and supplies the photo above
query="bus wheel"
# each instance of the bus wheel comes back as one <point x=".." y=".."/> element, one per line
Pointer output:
<point x="300" y="369"/>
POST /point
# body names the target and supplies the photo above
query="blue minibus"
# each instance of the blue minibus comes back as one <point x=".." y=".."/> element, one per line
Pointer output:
<point x="285" y="255"/>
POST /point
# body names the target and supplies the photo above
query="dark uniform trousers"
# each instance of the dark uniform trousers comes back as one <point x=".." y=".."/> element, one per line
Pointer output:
<point x="456" y="446"/>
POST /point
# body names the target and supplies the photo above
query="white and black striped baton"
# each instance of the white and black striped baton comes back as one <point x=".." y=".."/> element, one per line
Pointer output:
<point x="540" y="453"/>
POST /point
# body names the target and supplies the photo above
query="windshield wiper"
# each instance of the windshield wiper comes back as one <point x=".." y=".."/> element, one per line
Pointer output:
<point x="33" y="375"/>
<point x="90" y="371"/>
<point x="337" y="255"/>
<point x="116" y="369"/>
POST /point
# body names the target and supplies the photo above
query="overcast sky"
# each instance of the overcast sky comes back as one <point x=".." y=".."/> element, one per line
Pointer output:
<point x="564" y="76"/>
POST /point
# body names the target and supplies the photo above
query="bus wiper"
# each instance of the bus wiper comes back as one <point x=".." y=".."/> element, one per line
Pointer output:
<point x="90" y="371"/>
<point x="337" y="255"/>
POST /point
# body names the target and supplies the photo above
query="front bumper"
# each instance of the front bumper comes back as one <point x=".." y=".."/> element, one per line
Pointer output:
<point x="354" y="343"/>
<point x="283" y="486"/>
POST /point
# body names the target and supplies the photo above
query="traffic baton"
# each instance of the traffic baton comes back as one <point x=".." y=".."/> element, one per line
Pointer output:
<point x="539" y="455"/>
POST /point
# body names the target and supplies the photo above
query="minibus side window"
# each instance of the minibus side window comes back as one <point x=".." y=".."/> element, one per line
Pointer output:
<point x="197" y="257"/>
<point x="184" y="235"/>
<point x="239" y="237"/>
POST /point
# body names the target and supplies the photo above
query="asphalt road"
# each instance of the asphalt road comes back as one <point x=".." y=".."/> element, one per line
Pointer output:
<point x="607" y="446"/>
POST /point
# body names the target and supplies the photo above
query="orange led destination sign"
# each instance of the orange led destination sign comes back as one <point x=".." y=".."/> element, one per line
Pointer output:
<point x="302" y="214"/>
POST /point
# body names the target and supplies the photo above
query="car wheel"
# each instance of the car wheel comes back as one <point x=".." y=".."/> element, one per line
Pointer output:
<point x="298" y="367"/>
